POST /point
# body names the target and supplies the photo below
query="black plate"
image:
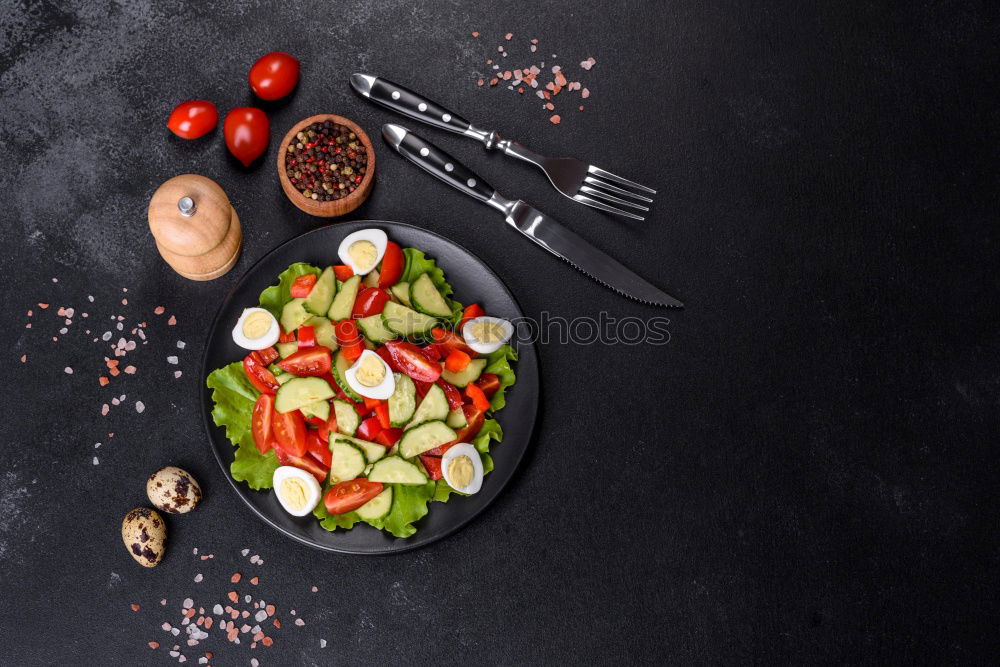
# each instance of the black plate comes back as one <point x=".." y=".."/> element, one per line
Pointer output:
<point x="473" y="281"/>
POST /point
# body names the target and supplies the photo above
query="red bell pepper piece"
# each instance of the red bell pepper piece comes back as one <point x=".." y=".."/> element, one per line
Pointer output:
<point x="449" y="340"/>
<point x="342" y="272"/>
<point x="489" y="383"/>
<point x="389" y="436"/>
<point x="432" y="464"/>
<point x="307" y="337"/>
<point x="318" y="449"/>
<point x="474" y="419"/>
<point x="411" y="360"/>
<point x="349" y="340"/>
<point x="370" y="301"/>
<point x="477" y="397"/>
<point x="382" y="414"/>
<point x="302" y="285"/>
<point x="268" y="355"/>
<point x="369" y="429"/>
<point x="259" y="376"/>
<point x="371" y="403"/>
<point x="451" y="393"/>
<point x="393" y="263"/>
<point x="475" y="310"/>
<point x="456" y="361"/>
<point x="286" y="337"/>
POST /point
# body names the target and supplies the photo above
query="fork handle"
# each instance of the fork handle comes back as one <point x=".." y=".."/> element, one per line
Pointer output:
<point x="439" y="164"/>
<point x="408" y="103"/>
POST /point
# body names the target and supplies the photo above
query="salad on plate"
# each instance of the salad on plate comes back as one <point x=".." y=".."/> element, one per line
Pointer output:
<point x="367" y="392"/>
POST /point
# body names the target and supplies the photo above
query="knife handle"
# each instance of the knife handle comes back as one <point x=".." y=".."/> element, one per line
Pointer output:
<point x="408" y="103"/>
<point x="432" y="159"/>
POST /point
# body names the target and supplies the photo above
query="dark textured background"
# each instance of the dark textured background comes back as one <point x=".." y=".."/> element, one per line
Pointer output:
<point x="806" y="472"/>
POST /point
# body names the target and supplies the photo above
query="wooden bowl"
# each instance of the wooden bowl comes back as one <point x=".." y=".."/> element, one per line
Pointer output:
<point x="328" y="209"/>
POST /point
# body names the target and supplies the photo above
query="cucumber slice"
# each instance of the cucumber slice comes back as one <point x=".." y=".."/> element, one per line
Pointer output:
<point x="428" y="435"/>
<point x="394" y="470"/>
<point x="294" y="315"/>
<point x="347" y="417"/>
<point x="402" y="292"/>
<point x="456" y="419"/>
<point x="406" y="321"/>
<point x="373" y="451"/>
<point x="324" y="331"/>
<point x="403" y="401"/>
<point x="319" y="409"/>
<point x="373" y="329"/>
<point x="470" y="374"/>
<point x="377" y="507"/>
<point x="341" y="364"/>
<point x="348" y="461"/>
<point x="425" y="297"/>
<point x="340" y="308"/>
<point x="287" y="349"/>
<point x="434" y="407"/>
<point x="282" y="378"/>
<point x="321" y="296"/>
<point x="299" y="392"/>
<point x="370" y="280"/>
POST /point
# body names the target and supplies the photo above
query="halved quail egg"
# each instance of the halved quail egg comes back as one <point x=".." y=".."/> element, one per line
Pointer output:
<point x="371" y="377"/>
<point x="362" y="250"/>
<point x="257" y="329"/>
<point x="486" y="334"/>
<point x="462" y="468"/>
<point x="297" y="491"/>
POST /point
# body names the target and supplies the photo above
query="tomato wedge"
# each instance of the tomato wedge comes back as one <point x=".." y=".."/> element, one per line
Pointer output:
<point x="393" y="263"/>
<point x="370" y="301"/>
<point x="349" y="339"/>
<point x="387" y="358"/>
<point x="432" y="464"/>
<point x="389" y="436"/>
<point x="477" y="397"/>
<point x="288" y="337"/>
<point x="475" y="310"/>
<point x="290" y="432"/>
<point x="307" y="337"/>
<point x="342" y="272"/>
<point x="260" y="377"/>
<point x="302" y="285"/>
<point x="350" y="495"/>
<point x="451" y="393"/>
<point x="260" y="422"/>
<point x="313" y="362"/>
<point x="456" y="361"/>
<point x="268" y="355"/>
<point x="411" y="360"/>
<point x="432" y="352"/>
<point x="304" y="462"/>
<point x="489" y="383"/>
<point x="318" y="449"/>
<point x="369" y="429"/>
<point x="449" y="340"/>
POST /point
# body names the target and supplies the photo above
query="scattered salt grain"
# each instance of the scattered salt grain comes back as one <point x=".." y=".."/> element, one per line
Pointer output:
<point x="172" y="321"/>
<point x="68" y="370"/>
<point x="24" y="358"/>
<point x="159" y="310"/>
<point x="165" y="626"/>
<point x="105" y="409"/>
<point x="198" y="578"/>
<point x="181" y="344"/>
<point x="177" y="374"/>
<point x="90" y="298"/>
<point x="106" y="336"/>
<point x="139" y="406"/>
<point x="260" y="616"/>
<point x="299" y="622"/>
<point x="124" y="302"/>
<point x="188" y="603"/>
<point x="244" y="552"/>
<point x="120" y="326"/>
<point x="96" y="462"/>
<point x="163" y="602"/>
<point x="172" y="360"/>
<point x="314" y="589"/>
<point x="175" y="631"/>
<point x="130" y="370"/>
<point x="55" y="280"/>
<point x="322" y="643"/>
<point x="217" y="610"/>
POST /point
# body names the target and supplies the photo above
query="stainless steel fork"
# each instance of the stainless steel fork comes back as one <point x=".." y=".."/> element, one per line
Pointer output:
<point x="581" y="182"/>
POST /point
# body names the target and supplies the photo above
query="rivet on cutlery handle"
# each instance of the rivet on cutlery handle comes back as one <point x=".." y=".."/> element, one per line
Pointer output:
<point x="407" y="102"/>
<point x="435" y="161"/>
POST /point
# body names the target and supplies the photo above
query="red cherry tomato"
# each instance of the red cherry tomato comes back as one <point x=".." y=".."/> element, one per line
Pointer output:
<point x="290" y="432"/>
<point x="310" y="362"/>
<point x="268" y="355"/>
<point x="411" y="360"/>
<point x="260" y="377"/>
<point x="370" y="301"/>
<point x="260" y="422"/>
<point x="369" y="429"/>
<point x="432" y="464"/>
<point x="304" y="462"/>
<point x="449" y="340"/>
<point x="350" y="495"/>
<point x="318" y="449"/>
<point x="451" y="393"/>
<point x="489" y="383"/>
<point x="247" y="132"/>
<point x="392" y="265"/>
<point x="351" y="345"/>
<point x="190" y="120"/>
<point x="274" y="76"/>
<point x="389" y="436"/>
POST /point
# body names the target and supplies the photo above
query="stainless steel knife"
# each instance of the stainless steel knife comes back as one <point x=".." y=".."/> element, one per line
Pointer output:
<point x="531" y="222"/>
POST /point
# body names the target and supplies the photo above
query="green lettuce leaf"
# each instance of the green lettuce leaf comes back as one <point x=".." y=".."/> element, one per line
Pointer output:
<point x="409" y="504"/>
<point x="418" y="264"/>
<point x="275" y="297"/>
<point x="498" y="363"/>
<point x="234" y="397"/>
<point x="332" y="522"/>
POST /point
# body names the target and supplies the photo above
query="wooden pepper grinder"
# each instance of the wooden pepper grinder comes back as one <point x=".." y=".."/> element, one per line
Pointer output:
<point x="196" y="229"/>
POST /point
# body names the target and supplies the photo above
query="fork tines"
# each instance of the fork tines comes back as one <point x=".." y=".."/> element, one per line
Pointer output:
<point x="601" y="189"/>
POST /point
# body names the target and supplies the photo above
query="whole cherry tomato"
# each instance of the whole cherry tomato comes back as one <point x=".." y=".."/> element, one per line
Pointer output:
<point x="274" y="76"/>
<point x="247" y="131"/>
<point x="190" y="120"/>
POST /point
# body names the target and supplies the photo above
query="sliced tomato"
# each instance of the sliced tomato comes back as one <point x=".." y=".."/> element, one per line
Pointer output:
<point x="456" y="361"/>
<point x="475" y="310"/>
<point x="369" y="428"/>
<point x="322" y="427"/>
<point x="350" y="495"/>
<point x="477" y="397"/>
<point x="268" y="355"/>
<point x="449" y="340"/>
<point x="489" y="383"/>
<point x="304" y="462"/>
<point x="286" y="337"/>
<point x="302" y="285"/>
<point x="260" y="377"/>
<point x="349" y="339"/>
<point x="411" y="360"/>
<point x="432" y="352"/>
<point x="313" y="362"/>
<point x="393" y="263"/>
<point x="307" y="337"/>
<point x="432" y="464"/>
<point x="384" y="353"/>
<point x="422" y="387"/>
<point x="260" y="422"/>
<point x="370" y="301"/>
<point x="451" y="393"/>
<point x="318" y="449"/>
<point x="290" y="432"/>
<point x="342" y="272"/>
<point x="382" y="415"/>
<point x="389" y="436"/>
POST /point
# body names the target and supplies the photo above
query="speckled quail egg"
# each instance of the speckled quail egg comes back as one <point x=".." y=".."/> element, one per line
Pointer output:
<point x="145" y="536"/>
<point x="297" y="491"/>
<point x="371" y="377"/>
<point x="257" y="329"/>
<point x="462" y="468"/>
<point x="486" y="334"/>
<point x="362" y="250"/>
<point x="173" y="490"/>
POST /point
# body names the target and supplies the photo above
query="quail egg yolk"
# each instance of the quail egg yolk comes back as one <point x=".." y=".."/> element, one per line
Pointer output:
<point x="487" y="332"/>
<point x="256" y="325"/>
<point x="363" y="253"/>
<point x="294" y="493"/>
<point x="460" y="470"/>
<point x="371" y="372"/>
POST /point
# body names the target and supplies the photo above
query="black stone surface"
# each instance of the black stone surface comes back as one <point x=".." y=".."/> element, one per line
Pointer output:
<point x="805" y="473"/>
